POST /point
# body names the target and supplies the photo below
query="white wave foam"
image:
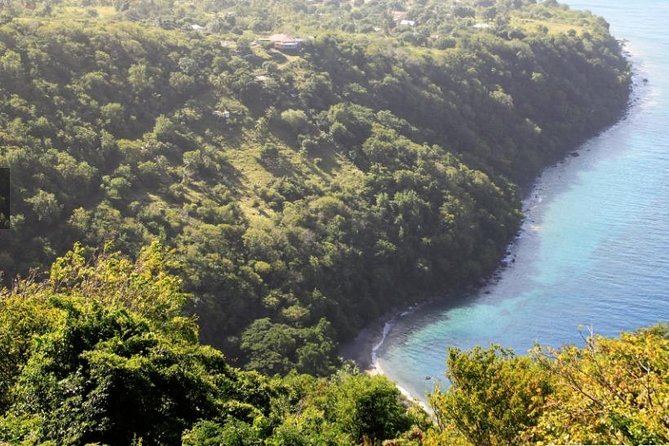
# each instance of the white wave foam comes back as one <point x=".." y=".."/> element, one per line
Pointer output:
<point x="386" y="330"/>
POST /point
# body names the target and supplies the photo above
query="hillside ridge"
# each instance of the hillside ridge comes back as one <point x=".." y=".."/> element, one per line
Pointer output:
<point x="367" y="155"/>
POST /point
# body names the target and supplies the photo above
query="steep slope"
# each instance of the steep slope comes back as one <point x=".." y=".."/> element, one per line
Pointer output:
<point x="305" y="191"/>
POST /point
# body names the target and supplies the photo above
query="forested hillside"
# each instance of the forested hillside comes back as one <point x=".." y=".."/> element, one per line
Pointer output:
<point x="305" y="190"/>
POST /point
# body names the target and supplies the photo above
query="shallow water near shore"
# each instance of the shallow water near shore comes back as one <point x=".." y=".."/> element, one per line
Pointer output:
<point x="594" y="249"/>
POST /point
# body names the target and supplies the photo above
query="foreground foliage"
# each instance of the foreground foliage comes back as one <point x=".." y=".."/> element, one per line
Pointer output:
<point x="612" y="391"/>
<point x="99" y="353"/>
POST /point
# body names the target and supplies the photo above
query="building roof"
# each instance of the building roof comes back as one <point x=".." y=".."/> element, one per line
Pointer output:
<point x="398" y="15"/>
<point x="282" y="38"/>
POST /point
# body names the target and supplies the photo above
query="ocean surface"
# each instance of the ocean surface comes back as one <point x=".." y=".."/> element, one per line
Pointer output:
<point x="594" y="248"/>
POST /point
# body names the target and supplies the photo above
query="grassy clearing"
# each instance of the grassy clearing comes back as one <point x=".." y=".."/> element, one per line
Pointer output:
<point x="553" y="27"/>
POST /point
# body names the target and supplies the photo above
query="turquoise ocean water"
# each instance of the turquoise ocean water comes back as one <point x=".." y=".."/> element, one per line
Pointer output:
<point x="594" y="249"/>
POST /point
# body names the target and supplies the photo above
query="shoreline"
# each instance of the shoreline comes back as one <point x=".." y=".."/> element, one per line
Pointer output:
<point x="363" y="349"/>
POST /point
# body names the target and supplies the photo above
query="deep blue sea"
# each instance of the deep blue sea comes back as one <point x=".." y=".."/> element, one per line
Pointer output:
<point x="594" y="249"/>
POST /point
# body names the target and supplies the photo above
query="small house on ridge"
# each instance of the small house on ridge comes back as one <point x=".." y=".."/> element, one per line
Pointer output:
<point x="284" y="42"/>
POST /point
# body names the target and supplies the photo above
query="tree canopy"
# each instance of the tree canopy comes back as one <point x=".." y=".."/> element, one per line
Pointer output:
<point x="98" y="353"/>
<point x="610" y="391"/>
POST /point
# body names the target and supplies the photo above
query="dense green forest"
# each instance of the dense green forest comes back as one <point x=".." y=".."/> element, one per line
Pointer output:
<point x="100" y="353"/>
<point x="4" y="198"/>
<point x="303" y="191"/>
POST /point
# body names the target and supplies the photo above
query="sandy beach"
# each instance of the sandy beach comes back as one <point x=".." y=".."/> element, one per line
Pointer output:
<point x="360" y="349"/>
<point x="362" y="352"/>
